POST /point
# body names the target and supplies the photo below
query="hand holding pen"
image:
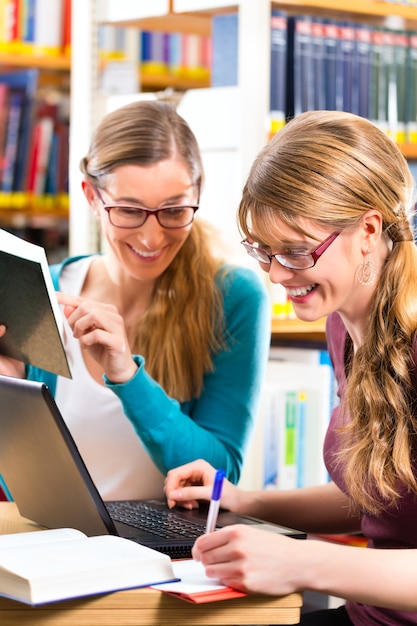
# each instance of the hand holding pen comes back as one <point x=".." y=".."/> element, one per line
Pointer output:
<point x="215" y="501"/>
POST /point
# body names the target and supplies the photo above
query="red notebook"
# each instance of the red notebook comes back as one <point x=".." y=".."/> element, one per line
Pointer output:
<point x="194" y="586"/>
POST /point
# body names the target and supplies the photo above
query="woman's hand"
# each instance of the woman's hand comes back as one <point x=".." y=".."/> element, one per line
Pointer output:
<point x="251" y="560"/>
<point x="100" y="329"/>
<point x="8" y="366"/>
<point x="187" y="484"/>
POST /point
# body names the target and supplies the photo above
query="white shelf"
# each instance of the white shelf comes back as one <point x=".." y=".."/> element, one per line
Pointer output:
<point x="252" y="106"/>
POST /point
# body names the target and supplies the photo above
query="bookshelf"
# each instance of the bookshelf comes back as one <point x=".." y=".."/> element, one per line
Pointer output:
<point x="250" y="99"/>
<point x="296" y="330"/>
<point x="60" y="63"/>
<point x="41" y="216"/>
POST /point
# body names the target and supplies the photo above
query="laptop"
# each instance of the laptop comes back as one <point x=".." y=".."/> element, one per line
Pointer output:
<point x="50" y="484"/>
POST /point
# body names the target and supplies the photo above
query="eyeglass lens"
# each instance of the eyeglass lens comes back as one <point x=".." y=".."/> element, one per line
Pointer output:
<point x="294" y="260"/>
<point x="170" y="217"/>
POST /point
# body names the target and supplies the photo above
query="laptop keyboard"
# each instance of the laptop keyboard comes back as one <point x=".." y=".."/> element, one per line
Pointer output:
<point x="159" y="522"/>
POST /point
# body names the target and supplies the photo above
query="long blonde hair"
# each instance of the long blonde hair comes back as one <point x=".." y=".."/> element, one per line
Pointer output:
<point x="184" y="325"/>
<point x="332" y="167"/>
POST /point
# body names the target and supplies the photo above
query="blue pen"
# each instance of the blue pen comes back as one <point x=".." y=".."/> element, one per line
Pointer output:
<point x="215" y="501"/>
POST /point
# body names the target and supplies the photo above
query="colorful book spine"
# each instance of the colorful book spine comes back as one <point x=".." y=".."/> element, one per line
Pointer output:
<point x="298" y="398"/>
<point x="317" y="52"/>
<point x="270" y="440"/>
<point x="330" y="62"/>
<point x="389" y="112"/>
<point x="278" y="79"/>
<point x="363" y="69"/>
<point x="225" y="42"/>
<point x="411" y="94"/>
<point x="41" y="27"/>
<point x="13" y="128"/>
<point x="4" y="109"/>
<point x="401" y="44"/>
<point x="346" y="78"/>
<point x="303" y="65"/>
<point x="48" y="27"/>
<point x="289" y="432"/>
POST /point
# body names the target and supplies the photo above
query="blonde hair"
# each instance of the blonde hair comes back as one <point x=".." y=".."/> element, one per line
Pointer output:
<point x="332" y="167"/>
<point x="184" y="325"/>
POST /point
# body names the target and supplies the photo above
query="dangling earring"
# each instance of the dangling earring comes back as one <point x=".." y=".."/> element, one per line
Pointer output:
<point x="366" y="272"/>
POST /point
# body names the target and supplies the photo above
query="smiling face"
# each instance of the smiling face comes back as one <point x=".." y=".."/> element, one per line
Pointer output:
<point x="331" y="285"/>
<point x="144" y="253"/>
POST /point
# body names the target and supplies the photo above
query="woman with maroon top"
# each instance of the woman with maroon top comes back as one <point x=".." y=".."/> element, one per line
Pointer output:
<point x="326" y="212"/>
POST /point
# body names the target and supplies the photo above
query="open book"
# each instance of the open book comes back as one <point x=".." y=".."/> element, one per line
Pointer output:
<point x="29" y="307"/>
<point x="51" y="565"/>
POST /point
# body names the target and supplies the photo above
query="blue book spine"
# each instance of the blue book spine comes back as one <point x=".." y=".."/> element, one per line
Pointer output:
<point x="303" y="66"/>
<point x="51" y="181"/>
<point x="225" y="38"/>
<point x="26" y="81"/>
<point x="363" y="64"/>
<point x="377" y="84"/>
<point x="411" y="90"/>
<point x="174" y="52"/>
<point x="29" y="21"/>
<point x="146" y="46"/>
<point x="317" y="52"/>
<point x="277" y="99"/>
<point x="388" y="114"/>
<point x="400" y="64"/>
<point x="348" y="87"/>
<point x="270" y="441"/>
<point x="12" y="138"/>
<point x="301" y="440"/>
<point x="331" y="34"/>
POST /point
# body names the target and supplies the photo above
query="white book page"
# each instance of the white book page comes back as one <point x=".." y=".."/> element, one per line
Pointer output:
<point x="193" y="579"/>
<point x="26" y="250"/>
<point x="38" y="537"/>
<point x="58" y="558"/>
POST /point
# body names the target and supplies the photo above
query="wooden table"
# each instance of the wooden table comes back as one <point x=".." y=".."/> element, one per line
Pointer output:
<point x="144" y="607"/>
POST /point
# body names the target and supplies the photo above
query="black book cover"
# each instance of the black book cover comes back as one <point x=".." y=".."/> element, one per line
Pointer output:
<point x="28" y="307"/>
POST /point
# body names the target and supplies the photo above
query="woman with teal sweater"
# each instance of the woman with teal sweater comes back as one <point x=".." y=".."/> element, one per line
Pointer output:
<point x="166" y="342"/>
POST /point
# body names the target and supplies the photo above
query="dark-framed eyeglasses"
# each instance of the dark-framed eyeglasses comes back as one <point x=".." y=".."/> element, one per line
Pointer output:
<point x="290" y="260"/>
<point x="131" y="216"/>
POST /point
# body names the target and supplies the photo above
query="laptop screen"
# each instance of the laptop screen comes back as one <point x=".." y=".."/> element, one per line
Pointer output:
<point x="40" y="462"/>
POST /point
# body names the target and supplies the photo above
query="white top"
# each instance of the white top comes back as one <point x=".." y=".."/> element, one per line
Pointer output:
<point x="112" y="451"/>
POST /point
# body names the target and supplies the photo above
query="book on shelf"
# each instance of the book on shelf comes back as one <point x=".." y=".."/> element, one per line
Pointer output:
<point x="330" y="62"/>
<point x="48" y="29"/>
<point x="33" y="333"/>
<point x="377" y="83"/>
<point x="333" y="64"/>
<point x="14" y="122"/>
<point x="411" y="89"/>
<point x="346" y="77"/>
<point x="278" y="79"/>
<point x="302" y="59"/>
<point x="4" y="109"/>
<point x="42" y="27"/>
<point x="24" y="83"/>
<point x="317" y="48"/>
<point x="388" y="117"/>
<point x="298" y="396"/>
<point x="34" y="125"/>
<point x="46" y="566"/>
<point x="224" y="50"/>
<point x="363" y="69"/>
<point x="42" y="138"/>
<point x="401" y="43"/>
<point x="194" y="586"/>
